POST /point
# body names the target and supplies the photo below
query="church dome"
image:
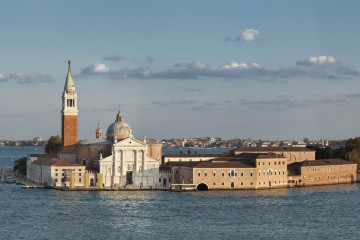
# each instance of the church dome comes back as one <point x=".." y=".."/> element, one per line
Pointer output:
<point x="119" y="129"/>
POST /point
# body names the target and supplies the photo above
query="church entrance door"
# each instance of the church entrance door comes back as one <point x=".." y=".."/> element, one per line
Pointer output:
<point x="129" y="177"/>
<point x="164" y="182"/>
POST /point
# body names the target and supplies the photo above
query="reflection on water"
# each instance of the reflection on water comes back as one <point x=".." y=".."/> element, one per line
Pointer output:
<point x="326" y="212"/>
<point x="312" y="212"/>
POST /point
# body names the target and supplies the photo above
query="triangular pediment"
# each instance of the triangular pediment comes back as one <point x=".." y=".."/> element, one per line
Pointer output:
<point x="130" y="141"/>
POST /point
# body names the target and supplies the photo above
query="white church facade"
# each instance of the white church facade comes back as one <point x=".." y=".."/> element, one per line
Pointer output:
<point x="129" y="164"/>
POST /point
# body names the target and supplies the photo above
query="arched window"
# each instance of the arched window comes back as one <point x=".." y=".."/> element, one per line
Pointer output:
<point x="232" y="173"/>
<point x="251" y="174"/>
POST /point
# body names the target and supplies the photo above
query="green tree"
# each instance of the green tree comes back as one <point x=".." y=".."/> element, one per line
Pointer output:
<point x="328" y="152"/>
<point x="53" y="145"/>
<point x="21" y="166"/>
<point x="354" y="156"/>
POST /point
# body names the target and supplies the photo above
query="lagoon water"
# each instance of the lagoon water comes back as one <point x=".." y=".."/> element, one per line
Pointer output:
<point x="330" y="212"/>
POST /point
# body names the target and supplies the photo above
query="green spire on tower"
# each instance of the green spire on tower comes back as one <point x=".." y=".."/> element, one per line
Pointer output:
<point x="69" y="80"/>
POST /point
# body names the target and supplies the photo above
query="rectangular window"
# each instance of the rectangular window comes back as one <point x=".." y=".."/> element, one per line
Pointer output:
<point x="241" y="183"/>
<point x="259" y="173"/>
<point x="169" y="179"/>
<point x="56" y="174"/>
<point x="79" y="174"/>
<point x="223" y="174"/>
<point x="242" y="174"/>
<point x="205" y="174"/>
<point x="263" y="163"/>
<point x="79" y="179"/>
<point x="259" y="163"/>
<point x="56" y="180"/>
<point x="199" y="174"/>
<point x="159" y="180"/>
<point x="214" y="174"/>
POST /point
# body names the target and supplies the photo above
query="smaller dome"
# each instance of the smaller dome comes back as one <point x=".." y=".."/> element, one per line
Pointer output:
<point x="119" y="129"/>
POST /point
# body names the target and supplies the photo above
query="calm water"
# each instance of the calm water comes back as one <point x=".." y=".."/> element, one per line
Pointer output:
<point x="330" y="212"/>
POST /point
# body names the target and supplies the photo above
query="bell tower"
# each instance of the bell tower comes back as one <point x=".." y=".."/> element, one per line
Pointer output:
<point x="69" y="114"/>
<point x="98" y="131"/>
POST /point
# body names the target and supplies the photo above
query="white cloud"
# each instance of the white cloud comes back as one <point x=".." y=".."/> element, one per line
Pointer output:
<point x="231" y="70"/>
<point x="21" y="78"/>
<point x="193" y="65"/>
<point x="2" y="78"/>
<point x="100" y="68"/>
<point x="248" y="35"/>
<point x="239" y="65"/>
<point x="97" y="68"/>
<point x="318" y="61"/>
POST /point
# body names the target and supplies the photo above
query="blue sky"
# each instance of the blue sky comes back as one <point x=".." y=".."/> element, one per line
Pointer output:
<point x="233" y="69"/>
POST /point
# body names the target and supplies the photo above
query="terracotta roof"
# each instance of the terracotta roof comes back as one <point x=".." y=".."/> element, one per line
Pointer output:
<point x="325" y="162"/>
<point x="194" y="155"/>
<point x="65" y="164"/>
<point x="181" y="164"/>
<point x="232" y="164"/>
<point x="271" y="155"/>
<point x="55" y="162"/>
<point x="273" y="149"/>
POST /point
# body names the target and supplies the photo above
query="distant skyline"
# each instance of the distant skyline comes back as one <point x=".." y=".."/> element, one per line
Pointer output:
<point x="181" y="69"/>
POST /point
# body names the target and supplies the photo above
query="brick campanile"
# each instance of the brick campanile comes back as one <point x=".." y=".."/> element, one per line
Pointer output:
<point x="69" y="114"/>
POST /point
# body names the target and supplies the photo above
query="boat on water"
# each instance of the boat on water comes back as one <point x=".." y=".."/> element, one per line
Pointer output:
<point x="10" y="179"/>
<point x="183" y="187"/>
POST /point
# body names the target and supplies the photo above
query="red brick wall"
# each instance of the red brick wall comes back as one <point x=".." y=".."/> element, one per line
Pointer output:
<point x="69" y="130"/>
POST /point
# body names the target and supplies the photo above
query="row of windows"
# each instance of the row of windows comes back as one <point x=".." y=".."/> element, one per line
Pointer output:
<point x="180" y="160"/>
<point x="232" y="173"/>
<point x="241" y="183"/>
<point x="64" y="174"/>
<point x="279" y="163"/>
<point x="68" y="170"/>
<point x="330" y="169"/>
<point x="270" y="173"/>
<point x="63" y="180"/>
<point x="276" y="182"/>
<point x="164" y="178"/>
